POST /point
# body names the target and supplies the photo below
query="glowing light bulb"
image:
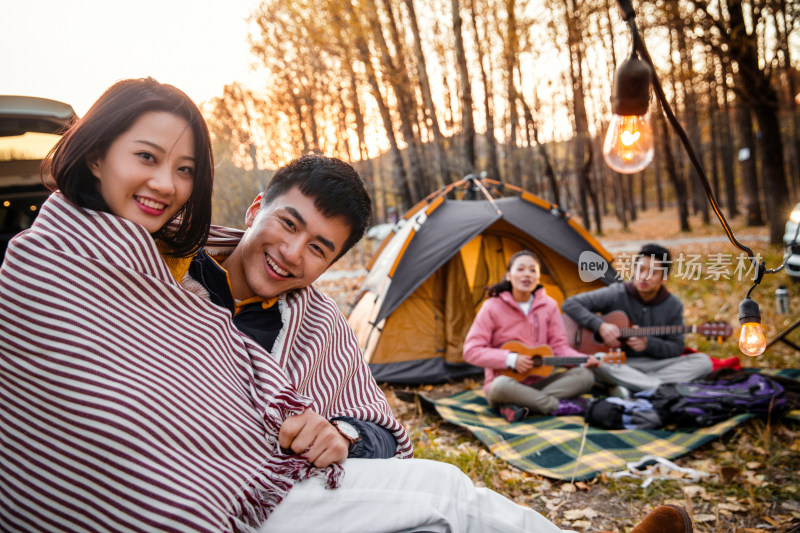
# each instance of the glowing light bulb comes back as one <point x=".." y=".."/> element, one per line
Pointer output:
<point x="628" y="146"/>
<point x="751" y="339"/>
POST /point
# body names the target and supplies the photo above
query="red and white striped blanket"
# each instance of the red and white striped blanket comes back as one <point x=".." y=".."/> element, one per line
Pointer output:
<point x="126" y="402"/>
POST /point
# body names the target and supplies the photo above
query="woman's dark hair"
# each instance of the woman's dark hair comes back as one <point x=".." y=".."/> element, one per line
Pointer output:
<point x="110" y="116"/>
<point x="505" y="285"/>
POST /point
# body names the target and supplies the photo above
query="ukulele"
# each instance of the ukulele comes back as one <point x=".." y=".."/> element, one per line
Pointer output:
<point x="588" y="341"/>
<point x="544" y="361"/>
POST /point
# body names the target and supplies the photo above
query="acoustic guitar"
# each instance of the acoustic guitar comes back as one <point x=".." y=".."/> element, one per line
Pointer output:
<point x="587" y="341"/>
<point x="544" y="361"/>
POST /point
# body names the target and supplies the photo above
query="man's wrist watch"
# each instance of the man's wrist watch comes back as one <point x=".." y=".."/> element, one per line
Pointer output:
<point x="347" y="431"/>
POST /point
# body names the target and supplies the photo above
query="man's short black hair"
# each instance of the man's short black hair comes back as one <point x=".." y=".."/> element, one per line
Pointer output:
<point x="335" y="187"/>
<point x="657" y="253"/>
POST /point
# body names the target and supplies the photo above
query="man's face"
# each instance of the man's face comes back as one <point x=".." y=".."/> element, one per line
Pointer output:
<point x="288" y="245"/>
<point x="648" y="277"/>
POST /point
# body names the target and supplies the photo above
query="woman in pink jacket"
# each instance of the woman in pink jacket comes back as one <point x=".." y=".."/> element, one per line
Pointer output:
<point x="519" y="310"/>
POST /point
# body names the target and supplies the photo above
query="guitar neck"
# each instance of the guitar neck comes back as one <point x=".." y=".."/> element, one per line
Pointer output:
<point x="563" y="360"/>
<point x="655" y="330"/>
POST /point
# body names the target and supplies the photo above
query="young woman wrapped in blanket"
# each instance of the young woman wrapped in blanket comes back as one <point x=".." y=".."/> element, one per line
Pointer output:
<point x="125" y="403"/>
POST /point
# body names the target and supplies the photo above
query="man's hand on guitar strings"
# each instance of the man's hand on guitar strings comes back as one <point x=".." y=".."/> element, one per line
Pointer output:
<point x="636" y="343"/>
<point x="610" y="334"/>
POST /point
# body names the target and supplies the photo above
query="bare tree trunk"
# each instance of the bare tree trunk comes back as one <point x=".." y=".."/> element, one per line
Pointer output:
<point x="675" y="166"/>
<point x="580" y="143"/>
<point x="399" y="176"/>
<point x="713" y="115"/>
<point x="586" y="171"/>
<point x="510" y="53"/>
<point x="312" y="119"/>
<point x="752" y="205"/>
<point x="608" y="9"/>
<point x="678" y="184"/>
<point x="793" y="137"/>
<point x="242" y="99"/>
<point x="431" y="120"/>
<point x="406" y="103"/>
<point x="297" y="104"/>
<point x="365" y="165"/>
<point x="776" y="193"/>
<point x="714" y="129"/>
<point x="659" y="177"/>
<point x="533" y="131"/>
<point x="465" y="90"/>
<point x="342" y="136"/>
<point x="449" y="115"/>
<point x="621" y="205"/>
<point x="492" y="165"/>
<point x="783" y="29"/>
<point x="727" y="152"/>
<point x="359" y="116"/>
<point x="691" y="116"/>
<point x="630" y="198"/>
<point x="642" y="191"/>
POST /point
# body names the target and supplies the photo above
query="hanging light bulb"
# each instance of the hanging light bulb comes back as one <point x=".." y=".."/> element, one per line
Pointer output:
<point x="628" y="146"/>
<point x="751" y="339"/>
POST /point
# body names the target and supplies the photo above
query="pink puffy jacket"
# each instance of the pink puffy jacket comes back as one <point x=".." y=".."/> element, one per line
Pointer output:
<point x="500" y="320"/>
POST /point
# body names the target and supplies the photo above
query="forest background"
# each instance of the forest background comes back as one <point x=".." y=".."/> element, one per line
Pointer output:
<point x="418" y="94"/>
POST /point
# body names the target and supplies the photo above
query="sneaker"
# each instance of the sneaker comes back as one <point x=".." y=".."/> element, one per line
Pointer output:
<point x="573" y="406"/>
<point x="513" y="413"/>
<point x="620" y="392"/>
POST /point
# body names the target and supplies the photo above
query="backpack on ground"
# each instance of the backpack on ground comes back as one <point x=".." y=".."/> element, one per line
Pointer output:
<point x="619" y="413"/>
<point x="700" y="404"/>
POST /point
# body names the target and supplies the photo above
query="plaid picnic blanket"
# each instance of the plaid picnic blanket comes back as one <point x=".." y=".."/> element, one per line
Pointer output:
<point x="549" y="446"/>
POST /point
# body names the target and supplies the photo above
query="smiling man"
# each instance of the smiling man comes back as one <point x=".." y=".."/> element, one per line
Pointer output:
<point x="313" y="211"/>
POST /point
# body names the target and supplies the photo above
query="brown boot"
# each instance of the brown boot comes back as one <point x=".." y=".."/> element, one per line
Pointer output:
<point x="666" y="519"/>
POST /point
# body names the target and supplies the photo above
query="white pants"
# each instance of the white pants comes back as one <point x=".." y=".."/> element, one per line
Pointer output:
<point x="393" y="495"/>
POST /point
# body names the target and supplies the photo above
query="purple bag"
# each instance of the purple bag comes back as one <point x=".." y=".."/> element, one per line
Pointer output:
<point x="701" y="403"/>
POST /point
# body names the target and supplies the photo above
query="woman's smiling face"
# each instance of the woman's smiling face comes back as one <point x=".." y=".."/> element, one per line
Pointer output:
<point x="524" y="277"/>
<point x="147" y="174"/>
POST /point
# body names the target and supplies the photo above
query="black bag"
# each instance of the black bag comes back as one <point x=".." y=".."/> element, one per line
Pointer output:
<point x="618" y="413"/>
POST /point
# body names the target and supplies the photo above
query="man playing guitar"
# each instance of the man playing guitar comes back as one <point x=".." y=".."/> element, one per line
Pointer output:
<point x="651" y="360"/>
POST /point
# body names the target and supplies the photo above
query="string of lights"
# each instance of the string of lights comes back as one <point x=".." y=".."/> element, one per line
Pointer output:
<point x="628" y="148"/>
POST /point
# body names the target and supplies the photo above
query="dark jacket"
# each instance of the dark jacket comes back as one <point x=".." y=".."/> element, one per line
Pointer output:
<point x="663" y="310"/>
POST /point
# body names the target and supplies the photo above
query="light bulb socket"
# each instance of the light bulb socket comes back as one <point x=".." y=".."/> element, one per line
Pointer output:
<point x="749" y="312"/>
<point x="631" y="87"/>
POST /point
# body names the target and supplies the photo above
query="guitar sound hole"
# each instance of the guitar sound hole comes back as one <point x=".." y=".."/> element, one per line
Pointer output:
<point x="537" y="360"/>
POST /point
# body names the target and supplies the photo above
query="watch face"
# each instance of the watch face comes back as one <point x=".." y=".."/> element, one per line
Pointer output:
<point x="346" y="429"/>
